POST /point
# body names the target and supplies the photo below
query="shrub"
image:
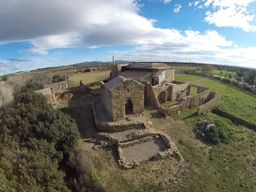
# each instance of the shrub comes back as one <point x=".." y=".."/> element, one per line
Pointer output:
<point x="214" y="133"/>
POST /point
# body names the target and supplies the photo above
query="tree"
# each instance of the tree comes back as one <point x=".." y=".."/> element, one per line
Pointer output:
<point x="34" y="140"/>
<point x="32" y="86"/>
<point x="4" y="78"/>
<point x="206" y="69"/>
<point x="58" y="78"/>
<point x="6" y="94"/>
<point x="30" y="166"/>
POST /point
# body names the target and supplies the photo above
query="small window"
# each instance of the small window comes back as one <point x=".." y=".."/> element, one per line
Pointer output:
<point x="127" y="90"/>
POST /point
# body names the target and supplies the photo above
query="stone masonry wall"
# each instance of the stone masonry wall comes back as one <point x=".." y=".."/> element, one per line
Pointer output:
<point x="169" y="75"/>
<point x="115" y="71"/>
<point x="151" y="96"/>
<point x="187" y="102"/>
<point x="106" y="99"/>
<point x="46" y="92"/>
<point x="177" y="90"/>
<point x="209" y="105"/>
<point x="127" y="90"/>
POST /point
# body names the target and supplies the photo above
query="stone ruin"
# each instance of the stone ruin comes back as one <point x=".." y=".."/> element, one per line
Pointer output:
<point x="125" y="126"/>
<point x="119" y="116"/>
<point x="136" y="145"/>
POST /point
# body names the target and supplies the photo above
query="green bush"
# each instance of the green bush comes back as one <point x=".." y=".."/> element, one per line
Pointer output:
<point x="215" y="133"/>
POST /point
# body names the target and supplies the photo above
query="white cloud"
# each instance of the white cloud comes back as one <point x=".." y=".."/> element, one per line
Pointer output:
<point x="177" y="8"/>
<point x="196" y="3"/>
<point x="233" y="13"/>
<point x="64" y="24"/>
<point x="34" y="51"/>
<point x="167" y="1"/>
<point x="190" y="4"/>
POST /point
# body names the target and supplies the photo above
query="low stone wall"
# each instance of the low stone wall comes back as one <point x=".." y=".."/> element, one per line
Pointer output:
<point x="170" y="151"/>
<point x="138" y="137"/>
<point x="209" y="105"/>
<point x="235" y="119"/>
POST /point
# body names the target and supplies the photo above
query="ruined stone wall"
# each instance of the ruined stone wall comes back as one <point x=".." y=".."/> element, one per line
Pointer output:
<point x="127" y="90"/>
<point x="151" y="96"/>
<point x="178" y="89"/>
<point x="189" y="102"/>
<point x="234" y="119"/>
<point x="200" y="89"/>
<point x="160" y="89"/>
<point x="200" y="98"/>
<point x="106" y="99"/>
<point x="46" y="92"/>
<point x="209" y="105"/>
<point x="169" y="75"/>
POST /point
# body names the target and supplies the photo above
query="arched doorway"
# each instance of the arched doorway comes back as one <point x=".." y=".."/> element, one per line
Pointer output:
<point x="128" y="107"/>
<point x="162" y="97"/>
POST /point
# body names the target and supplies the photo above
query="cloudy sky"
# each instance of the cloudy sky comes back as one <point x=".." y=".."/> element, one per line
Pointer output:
<point x="36" y="34"/>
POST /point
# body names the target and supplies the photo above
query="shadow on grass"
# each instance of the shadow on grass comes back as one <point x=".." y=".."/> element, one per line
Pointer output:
<point x="190" y="116"/>
<point x="114" y="153"/>
<point x="156" y="115"/>
<point x="200" y="138"/>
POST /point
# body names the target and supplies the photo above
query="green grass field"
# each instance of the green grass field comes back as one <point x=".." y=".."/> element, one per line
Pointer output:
<point x="90" y="77"/>
<point x="233" y="101"/>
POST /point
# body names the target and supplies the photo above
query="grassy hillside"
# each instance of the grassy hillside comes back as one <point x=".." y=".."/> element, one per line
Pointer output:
<point x="233" y="101"/>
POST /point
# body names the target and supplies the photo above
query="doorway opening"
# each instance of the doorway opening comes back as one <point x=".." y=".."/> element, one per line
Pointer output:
<point x="128" y="107"/>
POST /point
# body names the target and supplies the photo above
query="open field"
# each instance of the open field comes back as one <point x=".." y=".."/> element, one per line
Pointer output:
<point x="233" y="101"/>
<point x="88" y="77"/>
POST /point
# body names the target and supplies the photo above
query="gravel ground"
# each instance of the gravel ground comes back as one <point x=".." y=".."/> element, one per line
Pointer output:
<point x="143" y="151"/>
<point x="122" y="134"/>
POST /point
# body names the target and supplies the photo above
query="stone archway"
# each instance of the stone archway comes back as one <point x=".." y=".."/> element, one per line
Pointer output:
<point x="128" y="107"/>
<point x="162" y="97"/>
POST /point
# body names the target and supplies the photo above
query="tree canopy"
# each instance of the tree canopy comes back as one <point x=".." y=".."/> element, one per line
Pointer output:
<point x="34" y="137"/>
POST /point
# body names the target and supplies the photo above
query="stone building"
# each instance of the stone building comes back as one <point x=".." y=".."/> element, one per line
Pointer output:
<point x="57" y="86"/>
<point x="153" y="73"/>
<point x="51" y="90"/>
<point x="122" y="97"/>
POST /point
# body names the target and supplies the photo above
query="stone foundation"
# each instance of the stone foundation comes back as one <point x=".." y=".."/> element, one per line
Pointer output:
<point x="139" y="140"/>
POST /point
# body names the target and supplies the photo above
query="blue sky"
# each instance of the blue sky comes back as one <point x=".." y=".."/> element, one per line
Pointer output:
<point x="36" y="34"/>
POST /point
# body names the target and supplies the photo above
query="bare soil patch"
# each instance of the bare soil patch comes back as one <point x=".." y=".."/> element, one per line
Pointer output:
<point x="143" y="151"/>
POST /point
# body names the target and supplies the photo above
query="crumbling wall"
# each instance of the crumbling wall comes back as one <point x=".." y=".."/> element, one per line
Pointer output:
<point x="46" y="92"/>
<point x="188" y="102"/>
<point x="209" y="105"/>
<point x="162" y="91"/>
<point x="200" y="89"/>
<point x="178" y="89"/>
<point x="57" y="86"/>
<point x="200" y="98"/>
<point x="151" y="96"/>
<point x="106" y="99"/>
